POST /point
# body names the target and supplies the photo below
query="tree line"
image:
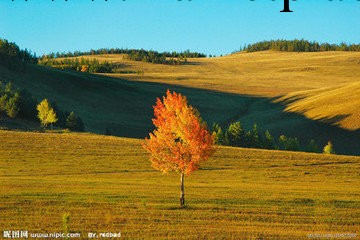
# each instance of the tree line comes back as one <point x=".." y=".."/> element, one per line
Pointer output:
<point x="95" y="66"/>
<point x="83" y="65"/>
<point x="173" y="54"/>
<point x="86" y="65"/>
<point x="235" y="135"/>
<point x="12" y="57"/>
<point x="299" y="46"/>
<point x="21" y="104"/>
<point x="171" y="58"/>
<point x="156" y="57"/>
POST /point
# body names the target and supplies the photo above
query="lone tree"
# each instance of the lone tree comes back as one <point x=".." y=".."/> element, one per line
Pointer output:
<point x="329" y="148"/>
<point x="46" y="113"/>
<point x="181" y="140"/>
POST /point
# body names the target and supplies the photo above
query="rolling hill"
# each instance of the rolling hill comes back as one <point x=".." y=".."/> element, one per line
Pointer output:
<point x="287" y="93"/>
<point x="264" y="74"/>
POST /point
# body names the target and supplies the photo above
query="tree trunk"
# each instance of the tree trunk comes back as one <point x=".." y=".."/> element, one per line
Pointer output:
<point x="182" y="193"/>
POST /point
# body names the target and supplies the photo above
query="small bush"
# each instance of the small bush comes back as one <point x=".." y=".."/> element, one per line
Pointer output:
<point x="329" y="148"/>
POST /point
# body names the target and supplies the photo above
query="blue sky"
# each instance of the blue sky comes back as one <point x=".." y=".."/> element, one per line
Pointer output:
<point x="209" y="26"/>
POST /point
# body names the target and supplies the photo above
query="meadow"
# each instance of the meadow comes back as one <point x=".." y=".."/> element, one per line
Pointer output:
<point x="106" y="184"/>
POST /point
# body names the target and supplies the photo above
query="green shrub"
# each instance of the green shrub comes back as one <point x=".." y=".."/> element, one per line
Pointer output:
<point x="329" y="148"/>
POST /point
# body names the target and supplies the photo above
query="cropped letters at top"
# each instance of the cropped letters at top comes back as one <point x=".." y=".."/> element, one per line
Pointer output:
<point x="286" y="6"/>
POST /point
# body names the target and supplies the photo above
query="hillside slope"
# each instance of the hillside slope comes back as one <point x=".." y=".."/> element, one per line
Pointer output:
<point x="106" y="184"/>
<point x="339" y="106"/>
<point x="123" y="105"/>
<point x="264" y="74"/>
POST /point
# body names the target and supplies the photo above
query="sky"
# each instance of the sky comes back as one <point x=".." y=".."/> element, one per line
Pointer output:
<point x="209" y="26"/>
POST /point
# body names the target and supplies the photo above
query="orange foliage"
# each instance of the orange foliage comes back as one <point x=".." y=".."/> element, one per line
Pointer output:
<point x="181" y="140"/>
<point x="84" y="68"/>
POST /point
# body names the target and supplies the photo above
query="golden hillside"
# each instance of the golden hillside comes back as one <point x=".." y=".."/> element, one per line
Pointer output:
<point x="332" y="79"/>
<point x="340" y="105"/>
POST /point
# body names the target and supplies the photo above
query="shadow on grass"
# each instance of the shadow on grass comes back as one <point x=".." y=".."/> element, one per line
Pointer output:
<point x="124" y="107"/>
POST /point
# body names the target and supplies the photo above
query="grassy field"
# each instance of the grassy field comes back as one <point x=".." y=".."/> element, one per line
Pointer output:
<point x="303" y="95"/>
<point x="106" y="184"/>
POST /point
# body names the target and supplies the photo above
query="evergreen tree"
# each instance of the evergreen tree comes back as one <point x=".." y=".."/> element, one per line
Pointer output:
<point x="312" y="146"/>
<point x="71" y="121"/>
<point x="289" y="144"/>
<point x="3" y="102"/>
<point x="13" y="106"/>
<point x="219" y="134"/>
<point x="74" y="122"/>
<point x="27" y="105"/>
<point x="253" y="137"/>
<point x="293" y="144"/>
<point x="234" y="136"/>
<point x="268" y="142"/>
<point x="282" y="142"/>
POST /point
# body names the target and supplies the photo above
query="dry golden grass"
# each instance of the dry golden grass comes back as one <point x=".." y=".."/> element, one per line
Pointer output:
<point x="107" y="185"/>
<point x="261" y="73"/>
<point x="339" y="105"/>
<point x="268" y="74"/>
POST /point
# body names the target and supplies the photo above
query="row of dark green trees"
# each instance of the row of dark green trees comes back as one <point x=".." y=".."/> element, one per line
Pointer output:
<point x="187" y="53"/>
<point x="160" y="58"/>
<point x="94" y="66"/>
<point x="299" y="46"/>
<point x="235" y="135"/>
<point x="172" y="58"/>
<point x="82" y="64"/>
<point x="21" y="104"/>
<point x="12" y="57"/>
